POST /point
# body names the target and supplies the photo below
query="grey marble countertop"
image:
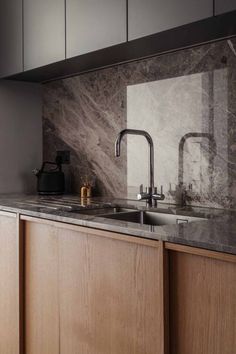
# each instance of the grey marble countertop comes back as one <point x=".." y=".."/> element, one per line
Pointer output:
<point x="216" y="232"/>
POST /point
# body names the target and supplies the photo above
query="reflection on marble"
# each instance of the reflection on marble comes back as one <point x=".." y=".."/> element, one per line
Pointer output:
<point x="190" y="91"/>
<point x="176" y="114"/>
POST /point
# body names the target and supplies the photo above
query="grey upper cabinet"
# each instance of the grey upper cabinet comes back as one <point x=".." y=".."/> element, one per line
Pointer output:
<point x="11" y="60"/>
<point x="222" y="6"/>
<point x="44" y="32"/>
<point x="153" y="16"/>
<point x="93" y="24"/>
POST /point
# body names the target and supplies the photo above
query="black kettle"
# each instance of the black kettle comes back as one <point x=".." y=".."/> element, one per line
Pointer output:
<point x="50" y="181"/>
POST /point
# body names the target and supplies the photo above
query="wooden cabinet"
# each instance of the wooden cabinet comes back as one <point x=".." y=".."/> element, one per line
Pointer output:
<point x="152" y="16"/>
<point x="92" y="25"/>
<point x="11" y="57"/>
<point x="44" y="32"/>
<point x="96" y="292"/>
<point x="9" y="285"/>
<point x="222" y="6"/>
<point x="202" y="302"/>
<point x="90" y="291"/>
<point x="41" y="289"/>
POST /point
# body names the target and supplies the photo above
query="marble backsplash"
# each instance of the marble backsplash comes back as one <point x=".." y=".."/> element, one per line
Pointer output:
<point x="187" y="102"/>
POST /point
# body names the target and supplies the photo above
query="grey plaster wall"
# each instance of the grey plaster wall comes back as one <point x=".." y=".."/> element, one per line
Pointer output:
<point x="20" y="136"/>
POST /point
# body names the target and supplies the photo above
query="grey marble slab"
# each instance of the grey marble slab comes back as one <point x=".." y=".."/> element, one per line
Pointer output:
<point x="187" y="96"/>
<point x="217" y="232"/>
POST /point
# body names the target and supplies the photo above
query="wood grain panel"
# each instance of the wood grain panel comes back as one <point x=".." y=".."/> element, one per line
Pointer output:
<point x="201" y="252"/>
<point x="20" y="286"/>
<point x="164" y="284"/>
<point x="202" y="305"/>
<point x="91" y="231"/>
<point x="9" y="285"/>
<point x="41" y="289"/>
<point x="110" y="296"/>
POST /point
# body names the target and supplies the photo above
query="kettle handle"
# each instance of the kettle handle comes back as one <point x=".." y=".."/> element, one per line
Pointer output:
<point x="58" y="165"/>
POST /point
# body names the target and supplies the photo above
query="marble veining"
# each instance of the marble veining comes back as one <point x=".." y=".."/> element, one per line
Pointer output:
<point x="217" y="232"/>
<point x="190" y="91"/>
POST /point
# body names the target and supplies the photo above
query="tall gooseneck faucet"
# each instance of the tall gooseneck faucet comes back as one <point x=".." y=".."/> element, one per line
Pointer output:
<point x="151" y="193"/>
<point x="151" y="150"/>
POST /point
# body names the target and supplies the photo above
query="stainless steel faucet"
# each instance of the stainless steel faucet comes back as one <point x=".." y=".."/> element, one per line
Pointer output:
<point x="151" y="192"/>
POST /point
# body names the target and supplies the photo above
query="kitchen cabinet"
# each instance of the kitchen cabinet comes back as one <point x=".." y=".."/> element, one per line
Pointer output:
<point x="99" y="292"/>
<point x="9" y="285"/>
<point x="41" y="289"/>
<point x="92" y="25"/>
<point x="91" y="291"/>
<point x="44" y="32"/>
<point x="11" y="58"/>
<point x="202" y="301"/>
<point x="153" y="16"/>
<point x="92" y="34"/>
<point x="222" y="6"/>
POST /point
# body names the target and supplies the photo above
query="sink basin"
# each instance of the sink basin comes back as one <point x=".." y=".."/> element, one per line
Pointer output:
<point x="108" y="211"/>
<point x="152" y="218"/>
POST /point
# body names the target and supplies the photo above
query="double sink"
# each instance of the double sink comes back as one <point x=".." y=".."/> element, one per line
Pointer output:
<point x="110" y="212"/>
<point x="142" y="217"/>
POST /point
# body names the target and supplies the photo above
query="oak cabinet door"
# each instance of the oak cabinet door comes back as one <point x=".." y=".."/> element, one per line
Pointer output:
<point x="222" y="6"/>
<point x="90" y="292"/>
<point x="11" y="58"/>
<point x="153" y="16"/>
<point x="202" y="305"/>
<point x="110" y="295"/>
<point x="44" y="32"/>
<point x="93" y="25"/>
<point x="41" y="289"/>
<point x="9" y="285"/>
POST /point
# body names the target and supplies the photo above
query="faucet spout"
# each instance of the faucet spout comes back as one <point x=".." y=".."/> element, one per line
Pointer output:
<point x="151" y="151"/>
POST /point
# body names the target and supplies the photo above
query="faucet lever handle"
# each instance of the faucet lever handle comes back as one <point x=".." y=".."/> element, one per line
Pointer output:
<point x="141" y="188"/>
<point x="158" y="196"/>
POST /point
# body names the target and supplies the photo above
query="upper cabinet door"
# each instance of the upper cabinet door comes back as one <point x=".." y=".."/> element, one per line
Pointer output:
<point x="93" y="24"/>
<point x="11" y="60"/>
<point x="222" y="6"/>
<point x="153" y="16"/>
<point x="44" y="32"/>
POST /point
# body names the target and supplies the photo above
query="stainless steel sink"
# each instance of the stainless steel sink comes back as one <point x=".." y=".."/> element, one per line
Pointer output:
<point x="108" y="211"/>
<point x="152" y="218"/>
<point x="136" y="216"/>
